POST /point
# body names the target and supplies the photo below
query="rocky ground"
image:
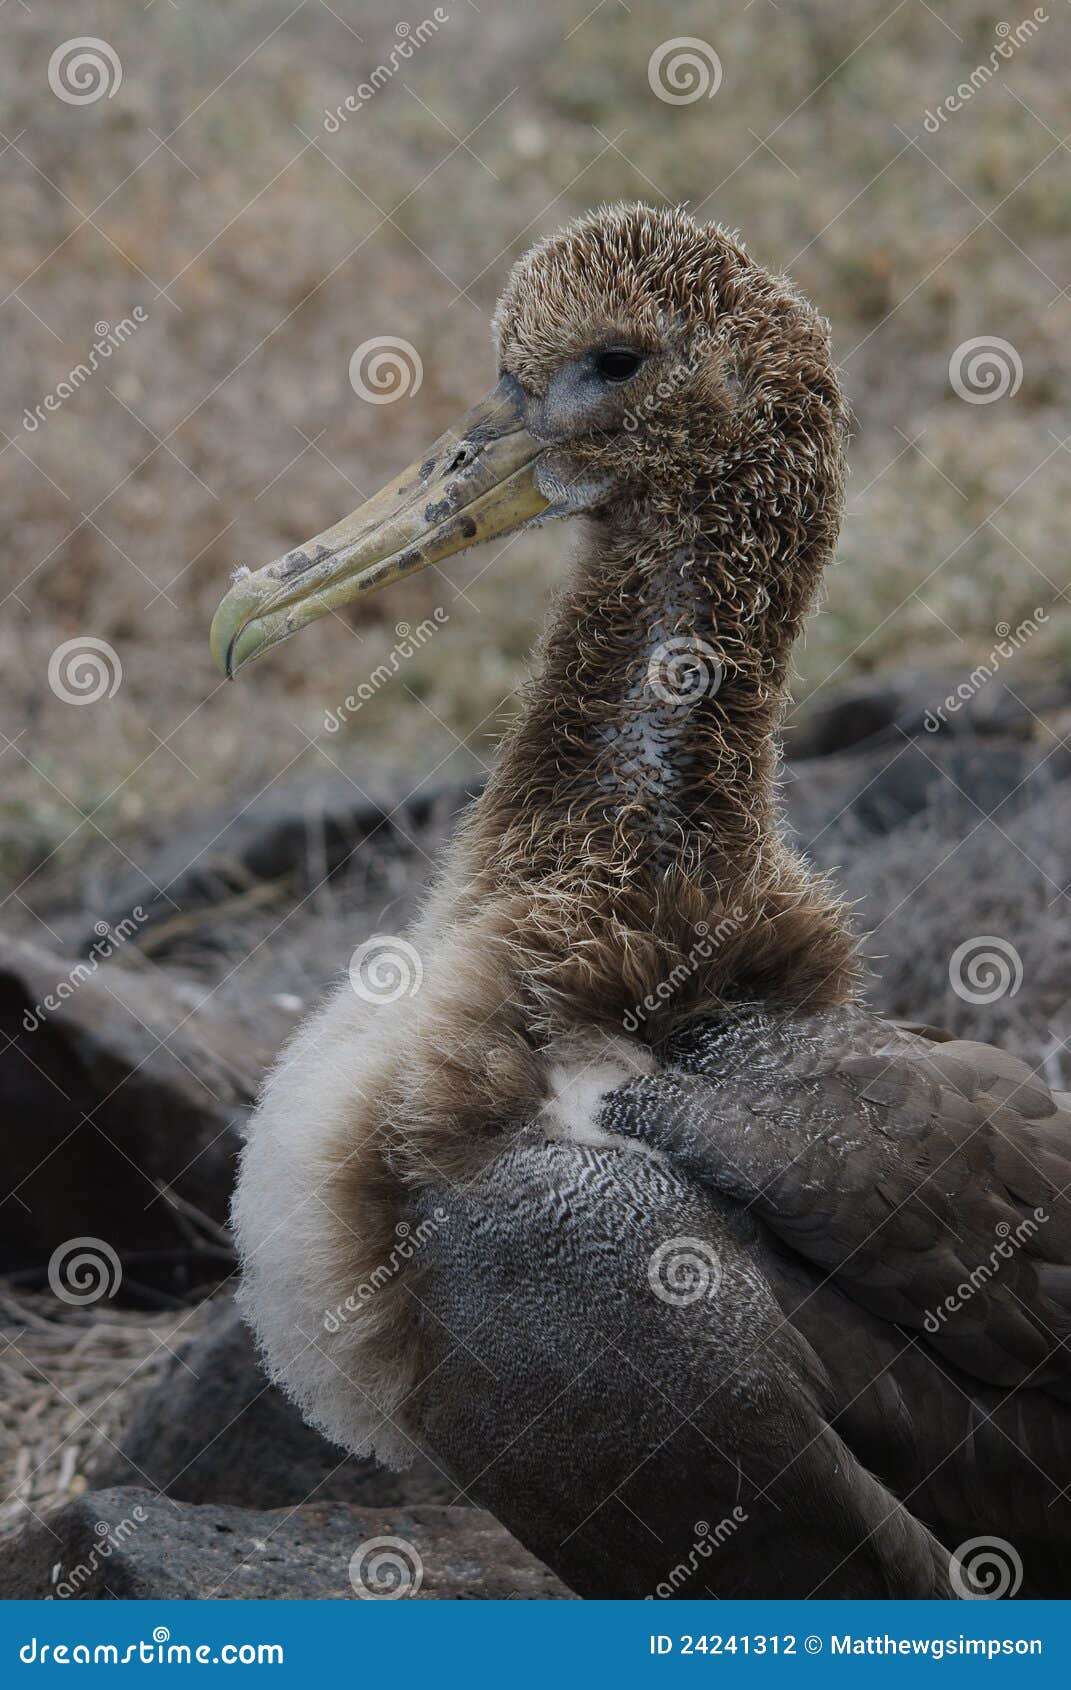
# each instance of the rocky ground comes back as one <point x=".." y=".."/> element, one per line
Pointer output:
<point x="158" y="945"/>
<point x="142" y="1451"/>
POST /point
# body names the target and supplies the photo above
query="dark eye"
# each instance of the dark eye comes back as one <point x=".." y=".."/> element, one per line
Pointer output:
<point x="618" y="363"/>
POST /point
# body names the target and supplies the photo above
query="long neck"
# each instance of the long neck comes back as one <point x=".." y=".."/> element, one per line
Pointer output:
<point x="647" y="741"/>
<point x="633" y="811"/>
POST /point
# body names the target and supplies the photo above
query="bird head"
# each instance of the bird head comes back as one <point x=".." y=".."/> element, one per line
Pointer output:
<point x="653" y="379"/>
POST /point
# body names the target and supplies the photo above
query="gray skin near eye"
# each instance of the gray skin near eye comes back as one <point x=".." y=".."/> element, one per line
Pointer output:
<point x="578" y="399"/>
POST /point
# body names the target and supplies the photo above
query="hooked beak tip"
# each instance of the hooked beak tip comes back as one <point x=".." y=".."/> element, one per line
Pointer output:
<point x="477" y="482"/>
<point x="235" y="614"/>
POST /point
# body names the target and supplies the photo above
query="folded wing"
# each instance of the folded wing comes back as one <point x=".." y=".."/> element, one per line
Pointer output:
<point x="931" y="1181"/>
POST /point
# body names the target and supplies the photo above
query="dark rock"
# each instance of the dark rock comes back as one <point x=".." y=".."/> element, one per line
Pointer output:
<point x="846" y="798"/>
<point x="118" y="1115"/>
<point x="213" y="1429"/>
<point x="131" y="1543"/>
<point x="849" y="716"/>
<point x="296" y="834"/>
<point x="944" y="880"/>
<point x="915" y="701"/>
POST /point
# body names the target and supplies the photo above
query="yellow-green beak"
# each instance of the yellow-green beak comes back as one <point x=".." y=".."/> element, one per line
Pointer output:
<point x="476" y="482"/>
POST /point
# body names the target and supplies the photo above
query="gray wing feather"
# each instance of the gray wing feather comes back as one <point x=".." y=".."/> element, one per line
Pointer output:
<point x="642" y="1446"/>
<point x="929" y="1180"/>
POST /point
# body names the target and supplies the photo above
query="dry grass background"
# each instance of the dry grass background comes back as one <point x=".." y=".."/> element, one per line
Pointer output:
<point x="65" y="1381"/>
<point x="264" y="249"/>
<point x="226" y="429"/>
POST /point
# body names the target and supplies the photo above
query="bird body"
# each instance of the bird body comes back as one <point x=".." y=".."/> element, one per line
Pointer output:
<point x="629" y="1215"/>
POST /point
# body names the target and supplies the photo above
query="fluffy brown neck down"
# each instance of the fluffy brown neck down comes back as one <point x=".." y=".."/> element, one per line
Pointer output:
<point x="632" y="824"/>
